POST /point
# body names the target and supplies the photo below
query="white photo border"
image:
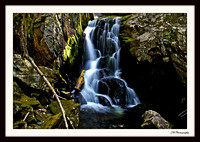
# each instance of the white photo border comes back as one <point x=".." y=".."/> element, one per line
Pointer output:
<point x="189" y="132"/>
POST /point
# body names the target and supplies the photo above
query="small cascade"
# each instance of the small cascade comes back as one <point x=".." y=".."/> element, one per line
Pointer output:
<point x="103" y="85"/>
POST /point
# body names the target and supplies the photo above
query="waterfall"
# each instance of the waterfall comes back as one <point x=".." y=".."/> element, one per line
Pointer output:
<point x="103" y="84"/>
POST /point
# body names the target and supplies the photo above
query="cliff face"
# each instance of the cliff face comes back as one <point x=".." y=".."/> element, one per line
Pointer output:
<point x="51" y="39"/>
<point x="155" y="46"/>
<point x="158" y="38"/>
<point x="55" y="42"/>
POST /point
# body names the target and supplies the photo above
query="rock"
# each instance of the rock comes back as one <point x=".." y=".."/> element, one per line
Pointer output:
<point x="71" y="109"/>
<point x="41" y="115"/>
<point x="48" y="34"/>
<point x="73" y="25"/>
<point x="114" y="88"/>
<point x="157" y="38"/>
<point x="153" y="60"/>
<point x="78" y="98"/>
<point x="24" y="71"/>
<point x="152" y="119"/>
<point x="23" y="106"/>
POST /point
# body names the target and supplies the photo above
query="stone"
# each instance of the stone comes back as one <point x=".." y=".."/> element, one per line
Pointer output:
<point x="154" y="36"/>
<point x="152" y="119"/>
<point x="24" y="71"/>
<point x="114" y="88"/>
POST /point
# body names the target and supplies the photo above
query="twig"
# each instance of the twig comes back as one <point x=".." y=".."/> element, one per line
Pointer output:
<point x="26" y="116"/>
<point x="183" y="113"/>
<point x="62" y="98"/>
<point x="51" y="88"/>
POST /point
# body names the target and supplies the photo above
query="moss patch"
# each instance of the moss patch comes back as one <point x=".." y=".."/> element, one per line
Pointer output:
<point x="19" y="124"/>
<point x="52" y="121"/>
<point x="124" y="18"/>
<point x="26" y="101"/>
<point x="71" y="49"/>
<point x="71" y="109"/>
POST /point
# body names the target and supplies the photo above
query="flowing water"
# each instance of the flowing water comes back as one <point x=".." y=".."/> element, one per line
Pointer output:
<point x="106" y="96"/>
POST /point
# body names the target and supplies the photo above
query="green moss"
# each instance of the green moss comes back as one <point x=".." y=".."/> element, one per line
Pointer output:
<point x="156" y="124"/>
<point x="37" y="25"/>
<point x="125" y="38"/>
<point x="68" y="106"/>
<point x="52" y="121"/>
<point x="124" y="18"/>
<point x="26" y="101"/>
<point x="109" y="16"/>
<point x="84" y="20"/>
<point x="80" y="30"/>
<point x="19" y="124"/>
<point x="71" y="49"/>
<point x="170" y="125"/>
<point x="71" y="109"/>
<point x="17" y="92"/>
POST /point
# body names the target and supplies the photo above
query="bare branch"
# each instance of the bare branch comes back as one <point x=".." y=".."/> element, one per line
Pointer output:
<point x="50" y="86"/>
<point x="26" y="116"/>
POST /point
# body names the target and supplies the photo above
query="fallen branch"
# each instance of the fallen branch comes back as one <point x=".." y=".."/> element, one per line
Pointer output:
<point x="51" y="88"/>
<point x="26" y="116"/>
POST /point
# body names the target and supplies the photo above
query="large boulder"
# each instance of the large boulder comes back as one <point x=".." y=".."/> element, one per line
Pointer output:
<point x="152" y="119"/>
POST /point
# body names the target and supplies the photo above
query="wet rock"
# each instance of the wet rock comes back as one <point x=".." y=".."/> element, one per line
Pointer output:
<point x="152" y="119"/>
<point x="78" y="98"/>
<point x="114" y="88"/>
<point x="71" y="109"/>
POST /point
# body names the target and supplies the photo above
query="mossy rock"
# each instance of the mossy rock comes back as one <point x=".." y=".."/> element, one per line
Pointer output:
<point x="124" y="18"/>
<point x="17" y="92"/>
<point x="54" y="121"/>
<point x="19" y="124"/>
<point x="26" y="101"/>
<point x="23" y="104"/>
<point x="153" y="119"/>
<point x="71" y="49"/>
<point x="71" y="109"/>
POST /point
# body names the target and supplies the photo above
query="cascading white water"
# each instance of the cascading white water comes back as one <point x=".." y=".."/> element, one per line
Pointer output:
<point x="102" y="57"/>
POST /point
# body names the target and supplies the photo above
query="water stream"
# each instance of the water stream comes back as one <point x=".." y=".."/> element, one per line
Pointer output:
<point x="106" y="96"/>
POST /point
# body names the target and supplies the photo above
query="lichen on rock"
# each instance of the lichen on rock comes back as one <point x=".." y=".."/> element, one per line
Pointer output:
<point x="152" y="119"/>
